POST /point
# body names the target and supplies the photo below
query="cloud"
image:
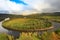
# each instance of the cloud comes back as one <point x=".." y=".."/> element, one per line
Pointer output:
<point x="55" y="6"/>
<point x="33" y="6"/>
<point x="45" y="5"/>
<point x="10" y="6"/>
<point x="38" y="4"/>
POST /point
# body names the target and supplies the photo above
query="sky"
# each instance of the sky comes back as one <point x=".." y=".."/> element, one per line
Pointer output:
<point x="30" y="6"/>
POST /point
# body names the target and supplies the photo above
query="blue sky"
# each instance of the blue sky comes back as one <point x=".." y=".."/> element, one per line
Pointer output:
<point x="19" y="2"/>
<point x="30" y="6"/>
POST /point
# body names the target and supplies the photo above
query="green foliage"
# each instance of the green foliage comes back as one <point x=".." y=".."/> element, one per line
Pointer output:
<point x="3" y="37"/>
<point x="22" y="23"/>
<point x="48" y="36"/>
<point x="28" y="37"/>
<point x="45" y="35"/>
<point x="57" y="31"/>
<point x="35" y="21"/>
<point x="52" y="18"/>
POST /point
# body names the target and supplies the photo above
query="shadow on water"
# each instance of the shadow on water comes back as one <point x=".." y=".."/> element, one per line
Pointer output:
<point x="56" y="25"/>
<point x="14" y="33"/>
<point x="17" y="34"/>
<point x="2" y="30"/>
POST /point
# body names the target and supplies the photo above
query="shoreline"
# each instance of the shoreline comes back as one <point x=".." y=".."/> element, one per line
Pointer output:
<point x="29" y="30"/>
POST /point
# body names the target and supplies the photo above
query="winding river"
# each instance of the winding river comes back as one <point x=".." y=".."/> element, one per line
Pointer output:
<point x="16" y="34"/>
<point x="3" y="30"/>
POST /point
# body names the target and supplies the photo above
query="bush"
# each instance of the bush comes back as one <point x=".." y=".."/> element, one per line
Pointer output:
<point x="27" y="24"/>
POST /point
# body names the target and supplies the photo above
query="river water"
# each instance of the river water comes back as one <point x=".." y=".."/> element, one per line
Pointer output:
<point x="16" y="34"/>
<point x="3" y="30"/>
<point x="56" y="25"/>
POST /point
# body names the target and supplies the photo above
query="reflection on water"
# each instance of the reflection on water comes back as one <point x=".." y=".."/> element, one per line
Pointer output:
<point x="16" y="34"/>
<point x="3" y="30"/>
<point x="56" y="25"/>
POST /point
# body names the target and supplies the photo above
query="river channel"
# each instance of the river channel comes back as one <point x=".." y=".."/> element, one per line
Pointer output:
<point x="56" y="25"/>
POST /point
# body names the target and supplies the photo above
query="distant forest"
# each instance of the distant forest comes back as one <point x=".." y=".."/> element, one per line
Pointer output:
<point x="3" y="16"/>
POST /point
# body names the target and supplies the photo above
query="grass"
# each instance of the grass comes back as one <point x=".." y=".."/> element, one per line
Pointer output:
<point x="57" y="31"/>
<point x="3" y="37"/>
<point x="53" y="18"/>
<point x="23" y="23"/>
<point x="43" y="36"/>
<point x="49" y="36"/>
<point x="29" y="23"/>
<point x="27" y="36"/>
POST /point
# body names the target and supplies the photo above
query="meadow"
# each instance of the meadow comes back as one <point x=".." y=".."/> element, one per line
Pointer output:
<point x="52" y="18"/>
<point x="33" y="22"/>
<point x="26" y="24"/>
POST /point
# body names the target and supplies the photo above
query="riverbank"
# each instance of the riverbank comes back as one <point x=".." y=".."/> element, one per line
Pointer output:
<point x="2" y="30"/>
